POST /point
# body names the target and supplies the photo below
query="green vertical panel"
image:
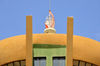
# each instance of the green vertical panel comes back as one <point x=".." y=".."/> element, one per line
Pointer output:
<point x="33" y="57"/>
<point x="49" y="61"/>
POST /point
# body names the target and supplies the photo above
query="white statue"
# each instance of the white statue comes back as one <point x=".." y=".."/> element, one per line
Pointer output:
<point x="50" y="22"/>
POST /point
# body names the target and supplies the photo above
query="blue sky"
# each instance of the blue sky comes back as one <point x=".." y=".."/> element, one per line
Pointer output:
<point x="86" y="15"/>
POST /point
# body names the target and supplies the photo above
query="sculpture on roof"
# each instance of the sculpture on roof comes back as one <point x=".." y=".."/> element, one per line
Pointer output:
<point x="50" y="22"/>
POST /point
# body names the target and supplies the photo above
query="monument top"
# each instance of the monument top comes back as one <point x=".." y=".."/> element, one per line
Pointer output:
<point x="50" y="22"/>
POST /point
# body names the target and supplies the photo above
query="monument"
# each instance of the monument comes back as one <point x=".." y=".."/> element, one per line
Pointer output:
<point x="50" y="23"/>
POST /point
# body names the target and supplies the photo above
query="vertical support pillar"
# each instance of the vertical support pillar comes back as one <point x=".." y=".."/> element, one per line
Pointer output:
<point x="49" y="61"/>
<point x="29" y="41"/>
<point x="69" y="47"/>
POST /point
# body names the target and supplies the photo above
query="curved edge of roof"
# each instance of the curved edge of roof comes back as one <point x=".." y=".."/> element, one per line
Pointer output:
<point x="43" y="33"/>
<point x="76" y="47"/>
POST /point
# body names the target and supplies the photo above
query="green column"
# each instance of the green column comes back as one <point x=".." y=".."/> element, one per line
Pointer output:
<point x="49" y="61"/>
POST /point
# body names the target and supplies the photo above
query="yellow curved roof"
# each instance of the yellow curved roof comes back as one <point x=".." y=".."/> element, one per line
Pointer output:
<point x="14" y="48"/>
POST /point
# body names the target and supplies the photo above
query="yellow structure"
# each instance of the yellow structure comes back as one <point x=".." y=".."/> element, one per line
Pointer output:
<point x="84" y="49"/>
<point x="69" y="49"/>
<point x="79" y="51"/>
<point x="29" y="40"/>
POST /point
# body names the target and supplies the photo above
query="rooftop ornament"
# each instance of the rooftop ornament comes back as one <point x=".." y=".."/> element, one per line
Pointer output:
<point x="50" y="22"/>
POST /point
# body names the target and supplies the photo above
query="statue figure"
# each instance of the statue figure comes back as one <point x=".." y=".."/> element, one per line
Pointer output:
<point x="50" y="22"/>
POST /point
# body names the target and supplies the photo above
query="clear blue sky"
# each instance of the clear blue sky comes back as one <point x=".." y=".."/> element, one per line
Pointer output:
<point x="86" y="15"/>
